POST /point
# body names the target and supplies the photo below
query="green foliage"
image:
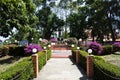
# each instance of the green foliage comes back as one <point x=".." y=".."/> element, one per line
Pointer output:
<point x="48" y="21"/>
<point x="18" y="14"/>
<point x="107" y="68"/>
<point x="100" y="66"/>
<point x="42" y="58"/>
<point x="77" y="25"/>
<point x="82" y="58"/>
<point x="107" y="49"/>
<point x="24" y="71"/>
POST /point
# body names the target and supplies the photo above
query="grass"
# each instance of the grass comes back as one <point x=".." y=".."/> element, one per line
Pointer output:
<point x="8" y="61"/>
<point x="113" y="58"/>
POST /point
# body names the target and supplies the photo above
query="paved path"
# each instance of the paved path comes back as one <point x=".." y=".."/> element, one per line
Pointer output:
<point x="61" y="69"/>
<point x="61" y="53"/>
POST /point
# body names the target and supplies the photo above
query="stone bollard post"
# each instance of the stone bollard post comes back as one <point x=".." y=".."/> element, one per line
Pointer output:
<point x="77" y="56"/>
<point x="45" y="52"/>
<point x="90" y="70"/>
<point x="35" y="64"/>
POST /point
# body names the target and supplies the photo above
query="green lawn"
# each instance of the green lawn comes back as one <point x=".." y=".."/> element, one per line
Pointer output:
<point x="113" y="58"/>
<point x="8" y="61"/>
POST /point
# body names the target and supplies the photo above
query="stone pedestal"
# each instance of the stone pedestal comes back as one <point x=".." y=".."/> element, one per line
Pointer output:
<point x="90" y="62"/>
<point x="35" y="64"/>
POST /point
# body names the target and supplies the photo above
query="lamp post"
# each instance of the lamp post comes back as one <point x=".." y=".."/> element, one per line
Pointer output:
<point x="78" y="48"/>
<point x="35" y="62"/>
<point x="90" y="62"/>
<point x="116" y="32"/>
<point x="72" y="45"/>
<point x="89" y="51"/>
<point x="34" y="50"/>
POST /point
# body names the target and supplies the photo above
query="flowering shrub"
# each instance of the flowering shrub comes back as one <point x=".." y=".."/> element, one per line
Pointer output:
<point x="44" y="41"/>
<point x="71" y="41"/>
<point x="96" y="48"/>
<point x="53" y="39"/>
<point x="116" y="46"/>
<point x="29" y="48"/>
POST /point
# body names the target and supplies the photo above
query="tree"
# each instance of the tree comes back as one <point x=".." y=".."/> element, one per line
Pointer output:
<point x="77" y="25"/>
<point x="48" y="21"/>
<point x="103" y="14"/>
<point x="17" y="14"/>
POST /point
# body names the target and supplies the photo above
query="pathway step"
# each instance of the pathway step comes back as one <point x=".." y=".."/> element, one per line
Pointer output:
<point x="61" y="69"/>
<point x="61" y="54"/>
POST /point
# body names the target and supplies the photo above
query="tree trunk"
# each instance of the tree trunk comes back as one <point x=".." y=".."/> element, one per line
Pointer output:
<point x="111" y="29"/>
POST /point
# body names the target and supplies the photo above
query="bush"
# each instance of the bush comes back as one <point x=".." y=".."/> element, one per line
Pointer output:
<point x="116" y="46"/>
<point x="29" y="48"/>
<point x="72" y="41"/>
<point x="4" y="50"/>
<point x="82" y="57"/>
<point x="21" y="71"/>
<point x="24" y="69"/>
<point x="42" y="58"/>
<point x="107" y="49"/>
<point x="102" y="67"/>
<point x="96" y="48"/>
<point x="17" y="51"/>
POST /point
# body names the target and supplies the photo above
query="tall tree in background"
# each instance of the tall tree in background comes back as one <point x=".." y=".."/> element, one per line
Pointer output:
<point x="48" y="21"/>
<point x="18" y="14"/>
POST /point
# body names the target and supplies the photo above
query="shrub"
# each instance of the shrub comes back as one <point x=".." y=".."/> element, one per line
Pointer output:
<point x="30" y="47"/>
<point x="17" y="51"/>
<point x="4" y="50"/>
<point x="21" y="71"/>
<point x="24" y="69"/>
<point x="42" y="58"/>
<point x="72" y="41"/>
<point x="116" y="46"/>
<point x="104" y="70"/>
<point x="96" y="47"/>
<point x="82" y="58"/>
<point x="52" y="39"/>
<point x="107" y="49"/>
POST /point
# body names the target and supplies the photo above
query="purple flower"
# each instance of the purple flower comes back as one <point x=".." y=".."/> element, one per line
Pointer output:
<point x="116" y="44"/>
<point x="30" y="47"/>
<point x="96" y="47"/>
<point x="53" y="39"/>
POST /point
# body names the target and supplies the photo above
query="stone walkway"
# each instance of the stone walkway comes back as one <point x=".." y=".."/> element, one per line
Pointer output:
<point x="61" y="69"/>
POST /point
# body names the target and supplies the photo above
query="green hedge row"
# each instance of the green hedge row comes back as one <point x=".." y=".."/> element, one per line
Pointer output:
<point x="17" y="51"/>
<point x="107" y="49"/>
<point x="104" y="70"/>
<point x="99" y="65"/>
<point x="42" y="58"/>
<point x="82" y="58"/>
<point x="24" y="69"/>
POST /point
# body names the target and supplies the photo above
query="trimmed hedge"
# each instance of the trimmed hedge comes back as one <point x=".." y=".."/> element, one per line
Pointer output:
<point x="17" y="51"/>
<point x="41" y="58"/>
<point x="82" y="56"/>
<point x="107" y="49"/>
<point x="24" y="69"/>
<point x="100" y="66"/>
